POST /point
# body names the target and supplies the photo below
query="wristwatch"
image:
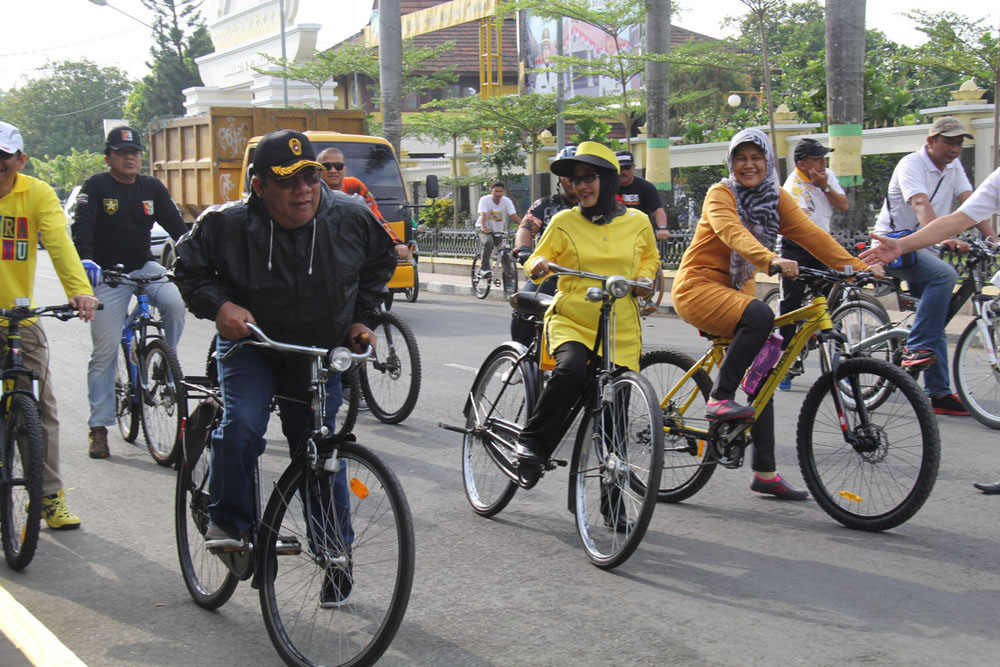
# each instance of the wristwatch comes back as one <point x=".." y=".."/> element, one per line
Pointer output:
<point x="826" y="189"/>
<point x="661" y="227"/>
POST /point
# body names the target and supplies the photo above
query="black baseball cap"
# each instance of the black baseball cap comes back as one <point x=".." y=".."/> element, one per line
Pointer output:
<point x="284" y="153"/>
<point x="625" y="159"/>
<point x="810" y="148"/>
<point x="123" y="136"/>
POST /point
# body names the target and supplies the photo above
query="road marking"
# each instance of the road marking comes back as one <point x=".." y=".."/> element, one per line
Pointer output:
<point x="463" y="368"/>
<point x="28" y="634"/>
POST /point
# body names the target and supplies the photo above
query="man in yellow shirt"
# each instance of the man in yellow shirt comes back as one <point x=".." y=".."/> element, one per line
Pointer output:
<point x="29" y="207"/>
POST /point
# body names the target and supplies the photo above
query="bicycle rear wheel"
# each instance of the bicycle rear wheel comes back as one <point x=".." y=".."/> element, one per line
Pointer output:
<point x="977" y="372"/>
<point x="510" y="267"/>
<point x="857" y="320"/>
<point x="355" y="553"/>
<point x="21" y="480"/>
<point x="163" y="402"/>
<point x="501" y="399"/>
<point x="126" y="407"/>
<point x="651" y="304"/>
<point x="884" y="477"/>
<point x="207" y="578"/>
<point x="617" y="462"/>
<point x="391" y="380"/>
<point x="685" y="468"/>
<point x="480" y="283"/>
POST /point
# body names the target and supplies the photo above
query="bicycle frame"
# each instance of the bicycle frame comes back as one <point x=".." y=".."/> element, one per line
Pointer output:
<point x="815" y="319"/>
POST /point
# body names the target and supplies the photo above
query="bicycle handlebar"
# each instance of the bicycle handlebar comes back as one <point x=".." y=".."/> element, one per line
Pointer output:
<point x="64" y="312"/>
<point x="607" y="280"/>
<point x="114" y="278"/>
<point x="339" y="358"/>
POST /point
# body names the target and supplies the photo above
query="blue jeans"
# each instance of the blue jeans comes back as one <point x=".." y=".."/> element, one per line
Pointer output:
<point x="106" y="335"/>
<point x="249" y="380"/>
<point x="933" y="280"/>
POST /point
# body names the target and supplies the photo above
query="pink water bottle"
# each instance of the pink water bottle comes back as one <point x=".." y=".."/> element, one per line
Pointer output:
<point x="762" y="364"/>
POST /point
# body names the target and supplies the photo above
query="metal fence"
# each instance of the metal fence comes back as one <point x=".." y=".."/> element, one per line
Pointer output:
<point x="452" y="242"/>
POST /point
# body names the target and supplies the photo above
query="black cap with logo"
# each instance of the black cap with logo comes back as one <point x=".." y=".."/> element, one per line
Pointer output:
<point x="810" y="148"/>
<point x="121" y="137"/>
<point x="284" y="153"/>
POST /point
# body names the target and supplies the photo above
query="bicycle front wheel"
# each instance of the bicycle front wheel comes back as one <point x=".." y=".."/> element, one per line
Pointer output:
<point x="163" y="401"/>
<point x="21" y="480"/>
<point x="500" y="402"/>
<point x="207" y="578"/>
<point x="615" y="471"/>
<point x="858" y="320"/>
<point x="126" y="407"/>
<point x="480" y="283"/>
<point x="347" y="416"/>
<point x="391" y="380"/>
<point x="869" y="469"/>
<point x="330" y="541"/>
<point x="685" y="468"/>
<point x="977" y="371"/>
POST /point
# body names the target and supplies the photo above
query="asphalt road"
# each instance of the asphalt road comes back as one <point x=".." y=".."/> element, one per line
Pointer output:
<point x="726" y="578"/>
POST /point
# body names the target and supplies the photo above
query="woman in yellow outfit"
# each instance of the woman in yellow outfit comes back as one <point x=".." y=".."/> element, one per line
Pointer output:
<point x="714" y="288"/>
<point x="600" y="236"/>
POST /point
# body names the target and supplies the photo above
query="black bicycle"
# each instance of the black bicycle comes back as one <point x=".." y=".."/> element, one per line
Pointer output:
<point x="618" y="454"/>
<point x="22" y="456"/>
<point x="332" y="552"/>
<point x="501" y="271"/>
<point x="390" y="377"/>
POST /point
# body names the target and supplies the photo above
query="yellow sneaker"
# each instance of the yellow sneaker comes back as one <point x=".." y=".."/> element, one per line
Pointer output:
<point x="56" y="514"/>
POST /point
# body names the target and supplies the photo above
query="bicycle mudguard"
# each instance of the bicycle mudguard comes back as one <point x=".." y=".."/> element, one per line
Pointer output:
<point x="198" y="428"/>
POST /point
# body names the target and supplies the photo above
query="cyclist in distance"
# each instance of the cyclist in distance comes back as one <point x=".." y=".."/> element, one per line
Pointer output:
<point x="983" y="203"/>
<point x="922" y="187"/>
<point x="494" y="209"/>
<point x="533" y="225"/>
<point x="715" y="290"/>
<point x="29" y="207"/>
<point x="115" y="211"/>
<point x="308" y="267"/>
<point x="637" y="192"/>
<point x="816" y="189"/>
<point x="600" y="236"/>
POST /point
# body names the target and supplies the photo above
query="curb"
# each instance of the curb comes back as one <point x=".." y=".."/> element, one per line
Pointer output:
<point x="35" y="641"/>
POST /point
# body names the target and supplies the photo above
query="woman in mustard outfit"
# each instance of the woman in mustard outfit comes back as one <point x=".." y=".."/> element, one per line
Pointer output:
<point x="600" y="236"/>
<point x="714" y="288"/>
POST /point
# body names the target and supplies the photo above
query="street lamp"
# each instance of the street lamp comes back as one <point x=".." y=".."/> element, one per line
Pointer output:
<point x="104" y="3"/>
<point x="734" y="99"/>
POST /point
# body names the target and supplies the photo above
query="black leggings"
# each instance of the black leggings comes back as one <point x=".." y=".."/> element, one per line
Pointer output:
<point x="752" y="332"/>
<point x="544" y="430"/>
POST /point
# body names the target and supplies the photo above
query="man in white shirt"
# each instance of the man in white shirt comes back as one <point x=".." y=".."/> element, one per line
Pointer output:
<point x="493" y="211"/>
<point x="923" y="187"/>
<point x="816" y="189"/>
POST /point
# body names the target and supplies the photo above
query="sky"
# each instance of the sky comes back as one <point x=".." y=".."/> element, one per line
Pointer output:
<point x="73" y="29"/>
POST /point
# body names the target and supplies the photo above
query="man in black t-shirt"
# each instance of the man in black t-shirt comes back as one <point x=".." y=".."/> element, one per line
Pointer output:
<point x="115" y="212"/>
<point x="636" y="192"/>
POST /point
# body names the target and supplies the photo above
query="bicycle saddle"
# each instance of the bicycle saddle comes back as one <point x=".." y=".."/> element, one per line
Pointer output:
<point x="531" y="303"/>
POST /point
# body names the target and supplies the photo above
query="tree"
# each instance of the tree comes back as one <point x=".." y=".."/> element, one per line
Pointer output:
<point x="64" y="172"/>
<point x="963" y="46"/>
<point x="657" y="100"/>
<point x="180" y="36"/>
<point x="612" y="18"/>
<point x="442" y="126"/>
<point x="64" y="109"/>
<point x="760" y="8"/>
<point x="845" y="55"/>
<point x="390" y="67"/>
<point x="344" y="60"/>
<point x="523" y="117"/>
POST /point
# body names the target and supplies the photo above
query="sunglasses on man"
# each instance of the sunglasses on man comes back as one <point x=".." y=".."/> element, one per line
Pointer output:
<point x="333" y="165"/>
<point x="308" y="176"/>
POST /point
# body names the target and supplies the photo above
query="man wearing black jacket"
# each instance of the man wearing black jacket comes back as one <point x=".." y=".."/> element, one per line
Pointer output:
<point x="307" y="265"/>
<point x="115" y="212"/>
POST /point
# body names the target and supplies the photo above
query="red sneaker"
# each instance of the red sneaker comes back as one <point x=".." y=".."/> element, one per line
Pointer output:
<point x="727" y="409"/>
<point x="778" y="488"/>
<point x="949" y="404"/>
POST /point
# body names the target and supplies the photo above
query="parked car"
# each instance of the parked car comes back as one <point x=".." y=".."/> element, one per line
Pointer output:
<point x="160" y="243"/>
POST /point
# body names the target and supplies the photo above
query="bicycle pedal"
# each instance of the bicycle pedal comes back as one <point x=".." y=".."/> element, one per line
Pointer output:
<point x="552" y="464"/>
